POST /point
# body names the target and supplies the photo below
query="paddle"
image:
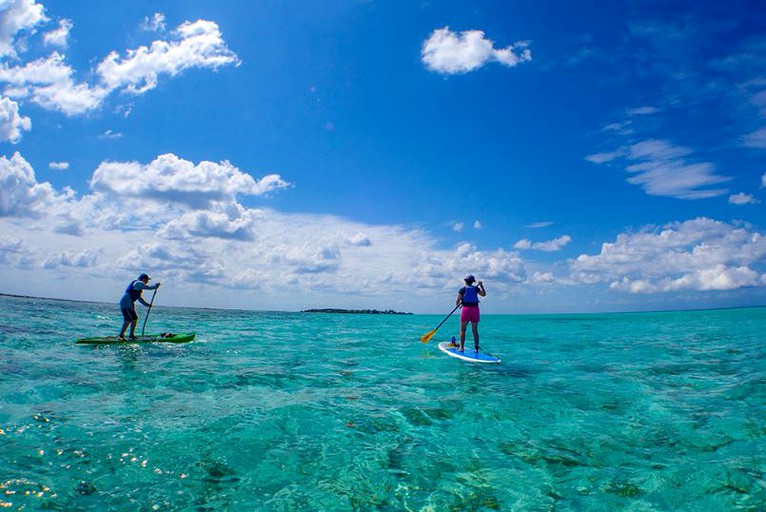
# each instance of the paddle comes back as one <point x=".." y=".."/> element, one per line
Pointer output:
<point x="427" y="337"/>
<point x="148" y="311"/>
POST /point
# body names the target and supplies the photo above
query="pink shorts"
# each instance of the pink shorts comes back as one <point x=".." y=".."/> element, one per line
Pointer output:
<point x="470" y="314"/>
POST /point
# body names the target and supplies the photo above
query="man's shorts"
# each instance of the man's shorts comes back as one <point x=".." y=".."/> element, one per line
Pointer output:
<point x="470" y="314"/>
<point x="129" y="314"/>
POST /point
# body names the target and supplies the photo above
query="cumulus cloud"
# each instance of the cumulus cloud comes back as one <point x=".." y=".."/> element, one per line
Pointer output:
<point x="458" y="227"/>
<point x="359" y="240"/>
<point x="543" y="278"/>
<point x="171" y="178"/>
<point x="59" y="36"/>
<point x="742" y="198"/>
<point x="17" y="16"/>
<point x="15" y="252"/>
<point x="12" y="124"/>
<point x="700" y="254"/>
<point x="548" y="246"/>
<point x="82" y="259"/>
<point x="234" y="222"/>
<point x="451" y="52"/>
<point x="197" y="45"/>
<point x="115" y="231"/>
<point x="662" y="168"/>
<point x="50" y="82"/>
<point x="21" y="194"/>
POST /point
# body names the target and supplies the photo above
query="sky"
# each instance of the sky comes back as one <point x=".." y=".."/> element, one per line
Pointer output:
<point x="277" y="155"/>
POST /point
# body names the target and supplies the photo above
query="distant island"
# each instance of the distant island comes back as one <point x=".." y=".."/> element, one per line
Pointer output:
<point x="355" y="311"/>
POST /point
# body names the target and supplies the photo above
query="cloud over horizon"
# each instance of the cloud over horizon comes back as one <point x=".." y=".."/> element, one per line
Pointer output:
<point x="700" y="254"/>
<point x="184" y="220"/>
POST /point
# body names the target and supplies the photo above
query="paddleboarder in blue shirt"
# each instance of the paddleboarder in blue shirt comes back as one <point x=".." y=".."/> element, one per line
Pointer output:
<point x="468" y="296"/>
<point x="128" y="303"/>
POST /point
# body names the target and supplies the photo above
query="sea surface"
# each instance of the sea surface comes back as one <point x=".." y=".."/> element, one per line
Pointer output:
<point x="323" y="412"/>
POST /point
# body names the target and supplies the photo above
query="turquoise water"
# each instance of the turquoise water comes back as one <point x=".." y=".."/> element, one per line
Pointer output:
<point x="299" y="411"/>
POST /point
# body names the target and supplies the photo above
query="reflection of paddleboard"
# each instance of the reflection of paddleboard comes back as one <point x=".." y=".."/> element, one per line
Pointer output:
<point x="467" y="355"/>
<point x="149" y="338"/>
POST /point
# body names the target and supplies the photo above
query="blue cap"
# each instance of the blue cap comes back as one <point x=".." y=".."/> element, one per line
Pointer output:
<point x="469" y="277"/>
<point x="143" y="276"/>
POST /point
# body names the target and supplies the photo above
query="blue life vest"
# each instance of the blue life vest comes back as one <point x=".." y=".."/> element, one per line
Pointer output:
<point x="134" y="294"/>
<point x="471" y="295"/>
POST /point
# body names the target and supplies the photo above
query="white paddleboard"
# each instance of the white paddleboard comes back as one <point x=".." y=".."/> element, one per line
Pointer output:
<point x="468" y="354"/>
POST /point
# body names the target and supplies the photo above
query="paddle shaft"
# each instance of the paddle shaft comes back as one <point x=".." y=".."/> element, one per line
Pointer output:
<point x="445" y="318"/>
<point x="427" y="337"/>
<point x="151" y="302"/>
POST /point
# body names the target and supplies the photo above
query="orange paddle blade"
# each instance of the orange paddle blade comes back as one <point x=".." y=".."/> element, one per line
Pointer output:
<point x="427" y="337"/>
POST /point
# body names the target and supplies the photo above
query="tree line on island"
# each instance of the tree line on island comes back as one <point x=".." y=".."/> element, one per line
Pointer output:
<point x="355" y="311"/>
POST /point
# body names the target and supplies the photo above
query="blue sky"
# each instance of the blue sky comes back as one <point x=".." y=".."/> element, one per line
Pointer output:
<point x="598" y="156"/>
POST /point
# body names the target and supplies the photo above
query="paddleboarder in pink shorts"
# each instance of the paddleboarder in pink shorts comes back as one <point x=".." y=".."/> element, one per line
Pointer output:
<point x="468" y="296"/>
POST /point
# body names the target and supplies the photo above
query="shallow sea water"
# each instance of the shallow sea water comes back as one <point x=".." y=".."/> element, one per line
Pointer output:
<point x="300" y="411"/>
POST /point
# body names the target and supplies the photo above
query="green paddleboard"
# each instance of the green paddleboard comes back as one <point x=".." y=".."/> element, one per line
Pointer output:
<point x="148" y="338"/>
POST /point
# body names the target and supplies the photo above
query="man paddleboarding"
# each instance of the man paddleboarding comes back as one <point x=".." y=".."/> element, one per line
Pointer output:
<point x="468" y="296"/>
<point x="128" y="303"/>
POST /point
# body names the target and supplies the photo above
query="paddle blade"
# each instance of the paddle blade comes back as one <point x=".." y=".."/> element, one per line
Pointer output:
<point x="427" y="337"/>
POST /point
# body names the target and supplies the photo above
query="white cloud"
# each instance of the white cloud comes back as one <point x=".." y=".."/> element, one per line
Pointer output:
<point x="359" y="240"/>
<point x="699" y="254"/>
<point x="476" y="225"/>
<point x="662" y="168"/>
<point x="549" y="246"/>
<point x="756" y="139"/>
<point x="83" y="259"/>
<point x="602" y="158"/>
<point x="742" y="198"/>
<point x="17" y="16"/>
<point x="14" y="252"/>
<point x="719" y="277"/>
<point x="115" y="231"/>
<point x="642" y="111"/>
<point x="523" y="244"/>
<point x="59" y="36"/>
<point x="21" y="194"/>
<point x="451" y="52"/>
<point x="623" y="128"/>
<point x="498" y="263"/>
<point x="458" y="227"/>
<point x="197" y="45"/>
<point x="58" y="166"/>
<point x="232" y="222"/>
<point x="538" y="225"/>
<point x="50" y="81"/>
<point x="154" y="24"/>
<point x="11" y="122"/>
<point x="171" y="178"/>
<point x="543" y="278"/>
<point x="109" y="134"/>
